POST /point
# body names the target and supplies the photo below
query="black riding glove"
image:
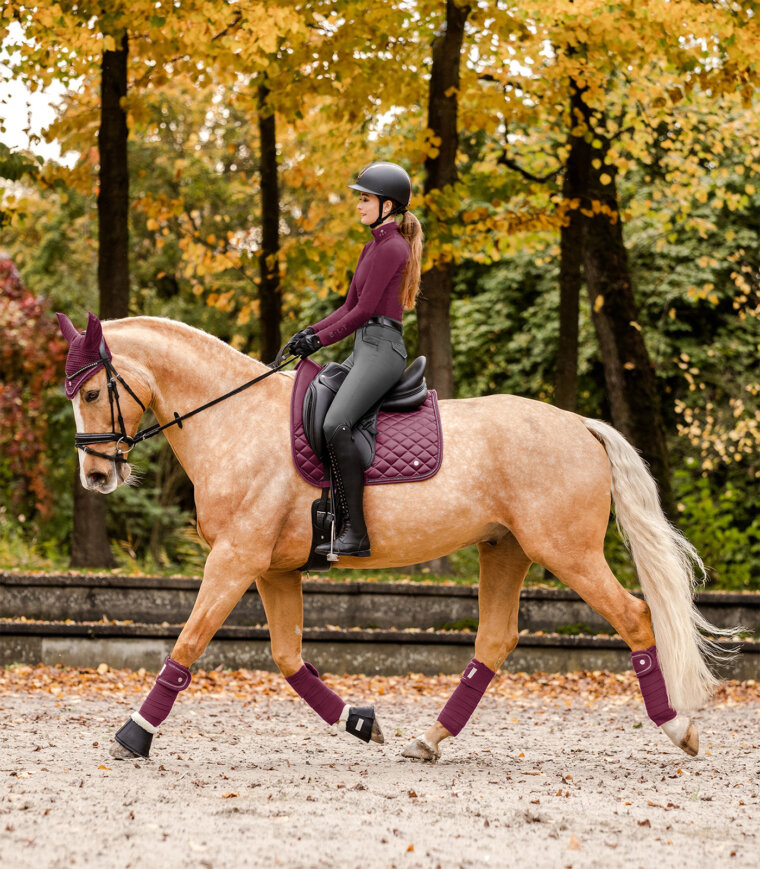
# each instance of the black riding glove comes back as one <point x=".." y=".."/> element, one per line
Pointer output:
<point x="305" y="345"/>
<point x="292" y="341"/>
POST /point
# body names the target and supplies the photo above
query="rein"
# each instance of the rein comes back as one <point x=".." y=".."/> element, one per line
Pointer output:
<point x="86" y="441"/>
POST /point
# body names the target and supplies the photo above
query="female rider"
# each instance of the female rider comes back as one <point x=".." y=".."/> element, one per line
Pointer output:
<point x="386" y="282"/>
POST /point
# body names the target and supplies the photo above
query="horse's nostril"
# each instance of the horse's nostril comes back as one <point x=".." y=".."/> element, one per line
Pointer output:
<point x="96" y="479"/>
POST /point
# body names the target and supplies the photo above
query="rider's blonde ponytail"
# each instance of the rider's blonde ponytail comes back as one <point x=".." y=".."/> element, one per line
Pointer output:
<point x="410" y="284"/>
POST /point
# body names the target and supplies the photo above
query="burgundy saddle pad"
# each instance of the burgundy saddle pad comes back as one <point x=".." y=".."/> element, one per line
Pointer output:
<point x="409" y="445"/>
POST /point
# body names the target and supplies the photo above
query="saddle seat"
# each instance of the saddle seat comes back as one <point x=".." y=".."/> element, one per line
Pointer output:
<point x="408" y="393"/>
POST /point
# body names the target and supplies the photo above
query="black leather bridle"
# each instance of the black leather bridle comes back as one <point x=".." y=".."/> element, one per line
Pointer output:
<point x="86" y="441"/>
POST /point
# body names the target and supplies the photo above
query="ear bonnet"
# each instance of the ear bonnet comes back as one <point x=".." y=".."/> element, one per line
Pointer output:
<point x="87" y="352"/>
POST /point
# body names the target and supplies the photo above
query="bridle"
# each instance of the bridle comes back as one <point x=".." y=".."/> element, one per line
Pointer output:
<point x="86" y="441"/>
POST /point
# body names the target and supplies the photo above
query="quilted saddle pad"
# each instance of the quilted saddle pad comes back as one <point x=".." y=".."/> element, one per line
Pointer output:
<point x="409" y="445"/>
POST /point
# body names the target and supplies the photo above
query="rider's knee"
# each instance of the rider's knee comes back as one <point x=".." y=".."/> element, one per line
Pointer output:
<point x="332" y="426"/>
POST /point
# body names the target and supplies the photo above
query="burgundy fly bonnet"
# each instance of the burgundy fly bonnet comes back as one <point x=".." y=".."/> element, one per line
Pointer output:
<point x="87" y="351"/>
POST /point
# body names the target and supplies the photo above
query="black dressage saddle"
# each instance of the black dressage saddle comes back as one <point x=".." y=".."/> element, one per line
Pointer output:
<point x="409" y="392"/>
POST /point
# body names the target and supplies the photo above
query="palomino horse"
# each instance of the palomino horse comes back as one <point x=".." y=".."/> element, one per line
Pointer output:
<point x="524" y="481"/>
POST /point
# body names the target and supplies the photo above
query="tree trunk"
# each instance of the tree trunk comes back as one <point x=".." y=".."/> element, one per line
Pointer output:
<point x="570" y="280"/>
<point x="270" y="296"/>
<point x="441" y="171"/>
<point x="113" y="196"/>
<point x="629" y="374"/>
<point x="89" y="539"/>
<point x="89" y="545"/>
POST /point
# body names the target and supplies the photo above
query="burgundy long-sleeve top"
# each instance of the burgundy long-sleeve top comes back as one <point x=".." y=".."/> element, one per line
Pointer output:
<point x="375" y="288"/>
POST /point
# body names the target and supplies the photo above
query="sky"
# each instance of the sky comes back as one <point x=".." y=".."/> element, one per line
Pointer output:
<point x="25" y="114"/>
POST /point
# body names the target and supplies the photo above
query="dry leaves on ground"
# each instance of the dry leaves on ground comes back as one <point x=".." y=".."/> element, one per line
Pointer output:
<point x="250" y="685"/>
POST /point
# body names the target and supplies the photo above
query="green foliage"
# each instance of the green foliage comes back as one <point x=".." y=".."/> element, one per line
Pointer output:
<point x="15" y="165"/>
<point x="505" y="331"/>
<point x="575" y="629"/>
<point x="724" y="525"/>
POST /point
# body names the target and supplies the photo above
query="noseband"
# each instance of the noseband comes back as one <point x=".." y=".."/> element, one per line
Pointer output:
<point x="86" y="441"/>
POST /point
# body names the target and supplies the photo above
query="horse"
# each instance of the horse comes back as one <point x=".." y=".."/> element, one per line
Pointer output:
<point x="522" y="480"/>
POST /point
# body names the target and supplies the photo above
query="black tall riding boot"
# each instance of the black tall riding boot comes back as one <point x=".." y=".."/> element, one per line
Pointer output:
<point x="348" y="479"/>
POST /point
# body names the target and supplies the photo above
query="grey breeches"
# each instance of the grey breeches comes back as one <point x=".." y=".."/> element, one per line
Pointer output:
<point x="378" y="361"/>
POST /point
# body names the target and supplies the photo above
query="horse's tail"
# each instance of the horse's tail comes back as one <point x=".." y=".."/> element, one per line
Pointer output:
<point x="668" y="567"/>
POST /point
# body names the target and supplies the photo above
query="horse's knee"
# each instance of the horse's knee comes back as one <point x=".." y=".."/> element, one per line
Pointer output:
<point x="187" y="650"/>
<point x="287" y="661"/>
<point x="493" y="651"/>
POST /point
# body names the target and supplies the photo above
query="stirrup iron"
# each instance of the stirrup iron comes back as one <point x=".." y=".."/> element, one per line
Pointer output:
<point x="331" y="556"/>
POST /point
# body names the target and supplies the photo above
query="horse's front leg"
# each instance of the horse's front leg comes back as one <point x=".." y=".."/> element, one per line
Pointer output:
<point x="502" y="570"/>
<point x="226" y="576"/>
<point x="282" y="597"/>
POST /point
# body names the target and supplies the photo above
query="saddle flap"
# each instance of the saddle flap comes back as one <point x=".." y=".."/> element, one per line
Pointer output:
<point x="333" y="375"/>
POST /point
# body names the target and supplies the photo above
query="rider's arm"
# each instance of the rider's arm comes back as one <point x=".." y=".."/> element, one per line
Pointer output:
<point x="387" y="267"/>
<point x="351" y="298"/>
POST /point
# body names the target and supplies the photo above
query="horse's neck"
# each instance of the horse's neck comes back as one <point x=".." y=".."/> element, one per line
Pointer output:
<point x="186" y="368"/>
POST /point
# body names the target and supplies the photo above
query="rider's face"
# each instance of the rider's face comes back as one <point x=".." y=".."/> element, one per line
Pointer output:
<point x="368" y="206"/>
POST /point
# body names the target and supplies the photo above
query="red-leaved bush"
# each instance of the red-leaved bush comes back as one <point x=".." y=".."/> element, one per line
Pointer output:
<point x="32" y="354"/>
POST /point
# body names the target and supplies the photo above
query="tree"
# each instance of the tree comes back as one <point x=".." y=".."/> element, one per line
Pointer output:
<point x="89" y="543"/>
<point x="269" y="266"/>
<point x="590" y="56"/>
<point x="440" y="174"/>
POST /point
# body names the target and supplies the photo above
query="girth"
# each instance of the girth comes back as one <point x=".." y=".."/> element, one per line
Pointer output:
<point x="409" y="392"/>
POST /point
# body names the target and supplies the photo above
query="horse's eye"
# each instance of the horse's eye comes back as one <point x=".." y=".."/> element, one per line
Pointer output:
<point x="91" y="394"/>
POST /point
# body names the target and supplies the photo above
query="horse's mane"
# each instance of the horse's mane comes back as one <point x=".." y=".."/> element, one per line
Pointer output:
<point x="164" y="325"/>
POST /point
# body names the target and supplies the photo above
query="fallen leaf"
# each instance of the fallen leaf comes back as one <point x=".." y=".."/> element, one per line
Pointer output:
<point x="229" y="796"/>
<point x="575" y="844"/>
<point x="103" y="766"/>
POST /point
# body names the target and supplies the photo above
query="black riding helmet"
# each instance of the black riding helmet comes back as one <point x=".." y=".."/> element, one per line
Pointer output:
<point x="386" y="181"/>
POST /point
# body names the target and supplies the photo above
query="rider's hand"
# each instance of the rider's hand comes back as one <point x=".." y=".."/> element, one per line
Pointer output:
<point x="305" y="345"/>
<point x="294" y="338"/>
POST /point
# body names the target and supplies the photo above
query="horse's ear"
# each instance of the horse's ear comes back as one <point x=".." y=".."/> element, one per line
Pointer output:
<point x="68" y="329"/>
<point x="93" y="334"/>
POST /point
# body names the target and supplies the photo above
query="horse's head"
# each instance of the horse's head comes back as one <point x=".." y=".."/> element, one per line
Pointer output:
<point x="106" y="417"/>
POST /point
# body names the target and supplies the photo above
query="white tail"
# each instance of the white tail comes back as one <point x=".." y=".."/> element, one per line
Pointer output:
<point x="668" y="567"/>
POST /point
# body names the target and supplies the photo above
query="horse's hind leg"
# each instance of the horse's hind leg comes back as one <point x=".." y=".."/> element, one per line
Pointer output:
<point x="283" y="603"/>
<point x="503" y="566"/>
<point x="590" y="576"/>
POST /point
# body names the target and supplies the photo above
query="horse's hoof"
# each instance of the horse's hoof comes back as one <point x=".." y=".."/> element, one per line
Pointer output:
<point x="119" y="752"/>
<point x="421" y="749"/>
<point x="684" y="734"/>
<point x="377" y="733"/>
